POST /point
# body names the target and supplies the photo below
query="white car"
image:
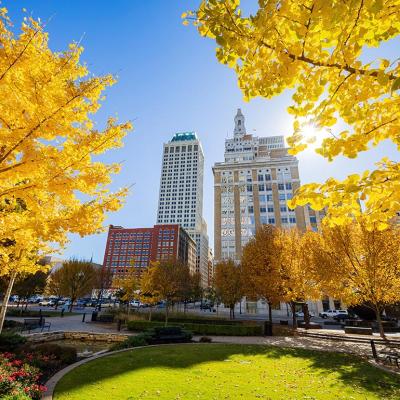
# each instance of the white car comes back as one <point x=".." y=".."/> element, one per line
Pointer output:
<point x="332" y="313"/>
<point x="47" y="303"/>
<point x="300" y="314"/>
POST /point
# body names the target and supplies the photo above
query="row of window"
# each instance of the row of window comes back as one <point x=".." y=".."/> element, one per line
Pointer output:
<point x="177" y="149"/>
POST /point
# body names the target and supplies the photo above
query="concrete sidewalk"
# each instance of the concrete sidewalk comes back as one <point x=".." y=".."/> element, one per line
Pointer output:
<point x="73" y="323"/>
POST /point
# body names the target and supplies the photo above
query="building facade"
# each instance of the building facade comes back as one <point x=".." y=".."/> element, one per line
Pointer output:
<point x="181" y="192"/>
<point x="251" y="188"/>
<point x="138" y="247"/>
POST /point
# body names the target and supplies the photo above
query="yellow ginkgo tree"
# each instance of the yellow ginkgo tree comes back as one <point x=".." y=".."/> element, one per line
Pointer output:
<point x="52" y="182"/>
<point x="315" y="48"/>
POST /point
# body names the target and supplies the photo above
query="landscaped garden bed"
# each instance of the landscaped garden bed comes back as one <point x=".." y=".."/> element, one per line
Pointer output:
<point x="25" y="367"/>
<point x="227" y="371"/>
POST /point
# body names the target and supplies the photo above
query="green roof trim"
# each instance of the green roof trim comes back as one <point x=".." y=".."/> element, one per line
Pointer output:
<point x="181" y="136"/>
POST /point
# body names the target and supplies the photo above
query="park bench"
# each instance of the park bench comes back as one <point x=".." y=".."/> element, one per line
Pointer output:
<point x="105" y="318"/>
<point x="34" y="323"/>
<point x="170" y="334"/>
<point x="358" y="330"/>
<point x="389" y="352"/>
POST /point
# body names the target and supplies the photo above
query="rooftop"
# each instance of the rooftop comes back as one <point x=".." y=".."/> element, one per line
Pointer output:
<point x="182" y="136"/>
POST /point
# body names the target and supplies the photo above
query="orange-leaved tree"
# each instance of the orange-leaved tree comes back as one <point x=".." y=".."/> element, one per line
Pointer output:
<point x="52" y="182"/>
<point x="260" y="267"/>
<point x="228" y="283"/>
<point x="360" y="266"/>
<point x="297" y="275"/>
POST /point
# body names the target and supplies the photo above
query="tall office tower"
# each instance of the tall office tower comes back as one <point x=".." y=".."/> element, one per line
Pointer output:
<point x="181" y="192"/>
<point x="251" y="188"/>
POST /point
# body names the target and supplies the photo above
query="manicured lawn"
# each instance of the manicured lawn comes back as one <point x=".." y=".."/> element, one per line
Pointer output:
<point x="225" y="371"/>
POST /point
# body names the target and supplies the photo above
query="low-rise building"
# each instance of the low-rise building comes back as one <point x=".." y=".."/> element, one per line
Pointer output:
<point x="128" y="248"/>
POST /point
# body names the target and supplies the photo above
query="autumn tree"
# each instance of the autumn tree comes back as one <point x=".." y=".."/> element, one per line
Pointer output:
<point x="260" y="267"/>
<point x="360" y="266"/>
<point x="296" y="273"/>
<point x="167" y="281"/>
<point x="76" y="278"/>
<point x="148" y="294"/>
<point x="128" y="284"/>
<point x="51" y="180"/>
<point x="315" y="48"/>
<point x="28" y="285"/>
<point x="228" y="283"/>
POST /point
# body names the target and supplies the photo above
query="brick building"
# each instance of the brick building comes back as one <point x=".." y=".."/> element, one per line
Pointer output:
<point x="137" y="247"/>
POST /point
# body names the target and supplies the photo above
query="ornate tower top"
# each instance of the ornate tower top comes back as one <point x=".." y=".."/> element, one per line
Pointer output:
<point x="240" y="129"/>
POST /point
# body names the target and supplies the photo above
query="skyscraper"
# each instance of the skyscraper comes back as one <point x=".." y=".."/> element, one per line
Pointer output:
<point x="251" y="188"/>
<point x="181" y="192"/>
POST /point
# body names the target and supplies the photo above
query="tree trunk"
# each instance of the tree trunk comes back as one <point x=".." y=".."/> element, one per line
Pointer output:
<point x="379" y="321"/>
<point x="3" y="310"/>
<point x="233" y="312"/>
<point x="26" y="304"/>
<point x="306" y="316"/>
<point x="71" y="305"/>
<point x="294" y="320"/>
<point x="166" y="313"/>
<point x="270" y="313"/>
<point x="150" y="313"/>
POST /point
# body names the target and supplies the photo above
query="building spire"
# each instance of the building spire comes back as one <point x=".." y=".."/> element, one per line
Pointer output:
<point x="240" y="129"/>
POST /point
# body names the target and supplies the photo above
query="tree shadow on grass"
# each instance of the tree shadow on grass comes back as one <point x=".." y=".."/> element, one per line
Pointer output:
<point x="349" y="369"/>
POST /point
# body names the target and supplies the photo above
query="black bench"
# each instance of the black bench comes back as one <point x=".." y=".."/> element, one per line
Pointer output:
<point x="105" y="318"/>
<point x="358" y="330"/>
<point x="35" y="323"/>
<point x="389" y="353"/>
<point x="170" y="334"/>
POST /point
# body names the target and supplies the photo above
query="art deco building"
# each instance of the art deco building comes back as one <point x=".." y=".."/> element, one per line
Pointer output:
<point x="181" y="192"/>
<point x="251" y="188"/>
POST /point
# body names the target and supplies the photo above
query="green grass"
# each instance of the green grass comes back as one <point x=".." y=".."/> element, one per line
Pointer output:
<point x="227" y="371"/>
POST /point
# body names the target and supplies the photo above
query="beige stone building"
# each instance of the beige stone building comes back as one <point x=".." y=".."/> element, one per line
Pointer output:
<point x="251" y="188"/>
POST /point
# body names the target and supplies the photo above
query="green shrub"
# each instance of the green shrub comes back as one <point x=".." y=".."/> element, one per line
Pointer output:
<point x="10" y="341"/>
<point x="11" y="325"/>
<point x="16" y="397"/>
<point x="132" y="341"/>
<point x="64" y="354"/>
<point x="202" y="329"/>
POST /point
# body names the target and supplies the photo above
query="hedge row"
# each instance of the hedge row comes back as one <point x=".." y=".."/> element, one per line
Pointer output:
<point x="208" y="321"/>
<point x="202" y="329"/>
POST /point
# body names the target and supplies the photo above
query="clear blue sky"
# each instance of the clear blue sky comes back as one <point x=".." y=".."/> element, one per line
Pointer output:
<point x="169" y="81"/>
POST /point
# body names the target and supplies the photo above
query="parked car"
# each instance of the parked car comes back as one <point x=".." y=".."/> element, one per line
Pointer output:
<point x="332" y="313"/>
<point x="206" y="306"/>
<point x="342" y="317"/>
<point x="47" y="303"/>
<point x="35" y="299"/>
<point x="136" y="303"/>
<point x="300" y="314"/>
